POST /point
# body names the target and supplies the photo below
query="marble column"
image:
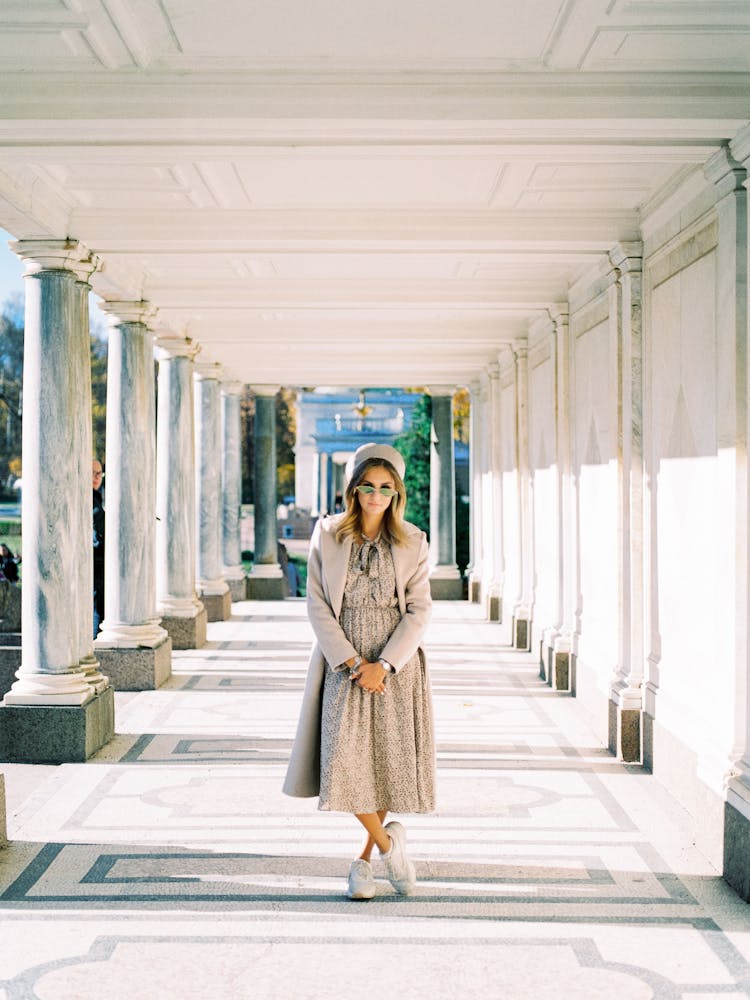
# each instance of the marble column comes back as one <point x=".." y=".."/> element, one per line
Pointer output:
<point x="182" y="614"/>
<point x="133" y="648"/>
<point x="445" y="579"/>
<point x="52" y="713"/>
<point x="266" y="580"/>
<point x="564" y="635"/>
<point x="731" y="176"/>
<point x="626" y="690"/>
<point x="88" y="660"/>
<point x="523" y="606"/>
<point x="493" y="504"/>
<point x="212" y="587"/>
<point x="231" y="489"/>
<point x="477" y="471"/>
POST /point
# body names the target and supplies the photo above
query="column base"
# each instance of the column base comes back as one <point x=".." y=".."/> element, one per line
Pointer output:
<point x="446" y="584"/>
<point x="186" y="633"/>
<point x="267" y="588"/>
<point x="475" y="589"/>
<point x="238" y="589"/>
<point x="737" y="851"/>
<point x="56" y="734"/>
<point x="625" y="733"/>
<point x="521" y="633"/>
<point x="10" y="660"/>
<point x="218" y="606"/>
<point x="494" y="608"/>
<point x="141" y="669"/>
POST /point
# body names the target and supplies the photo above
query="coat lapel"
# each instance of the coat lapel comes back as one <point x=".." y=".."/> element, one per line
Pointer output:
<point x="336" y="561"/>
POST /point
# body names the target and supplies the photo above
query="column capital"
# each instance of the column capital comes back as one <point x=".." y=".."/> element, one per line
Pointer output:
<point x="740" y="146"/>
<point x="233" y="388"/>
<point x="627" y="256"/>
<point x="520" y="348"/>
<point x="208" y="371"/>
<point x="120" y="312"/>
<point x="176" y="347"/>
<point x="265" y="390"/>
<point x="442" y="390"/>
<point x="56" y="255"/>
<point x="724" y="171"/>
<point x="558" y="312"/>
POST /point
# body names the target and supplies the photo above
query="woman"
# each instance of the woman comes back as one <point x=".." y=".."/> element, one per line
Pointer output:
<point x="365" y="742"/>
<point x="8" y="565"/>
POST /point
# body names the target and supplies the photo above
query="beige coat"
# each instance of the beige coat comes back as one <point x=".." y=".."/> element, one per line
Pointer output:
<point x="326" y="579"/>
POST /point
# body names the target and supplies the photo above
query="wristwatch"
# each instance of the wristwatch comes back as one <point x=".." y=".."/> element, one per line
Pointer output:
<point x="388" y="667"/>
<point x="358" y="661"/>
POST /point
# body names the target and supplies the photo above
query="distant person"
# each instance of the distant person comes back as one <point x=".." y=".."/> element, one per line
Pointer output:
<point x="8" y="565"/>
<point x="98" y="525"/>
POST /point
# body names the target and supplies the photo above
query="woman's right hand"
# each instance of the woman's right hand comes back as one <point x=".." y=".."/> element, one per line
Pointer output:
<point x="370" y="677"/>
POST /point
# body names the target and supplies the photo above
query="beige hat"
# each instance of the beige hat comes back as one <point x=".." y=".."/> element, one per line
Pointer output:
<point x="384" y="451"/>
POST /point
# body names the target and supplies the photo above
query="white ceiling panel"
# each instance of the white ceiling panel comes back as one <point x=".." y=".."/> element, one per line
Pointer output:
<point x="316" y="189"/>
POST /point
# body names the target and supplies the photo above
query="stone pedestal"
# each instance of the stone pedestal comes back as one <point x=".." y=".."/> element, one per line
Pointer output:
<point x="143" y="668"/>
<point x="238" y="588"/>
<point x="446" y="584"/>
<point x="187" y="633"/>
<point x="521" y="633"/>
<point x="218" y="606"/>
<point x="494" y="605"/>
<point x="268" y="588"/>
<point x="10" y="660"/>
<point x="56" y="734"/>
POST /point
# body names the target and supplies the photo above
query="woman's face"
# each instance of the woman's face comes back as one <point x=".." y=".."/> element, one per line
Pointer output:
<point x="375" y="503"/>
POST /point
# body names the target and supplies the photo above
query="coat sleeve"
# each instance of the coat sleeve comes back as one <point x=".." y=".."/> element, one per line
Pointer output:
<point x="407" y="636"/>
<point x="333" y="643"/>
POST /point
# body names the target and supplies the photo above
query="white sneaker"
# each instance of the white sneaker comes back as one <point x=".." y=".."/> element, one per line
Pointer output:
<point x="399" y="869"/>
<point x="361" y="882"/>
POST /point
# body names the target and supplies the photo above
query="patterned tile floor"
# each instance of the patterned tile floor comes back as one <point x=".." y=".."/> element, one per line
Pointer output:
<point x="172" y="866"/>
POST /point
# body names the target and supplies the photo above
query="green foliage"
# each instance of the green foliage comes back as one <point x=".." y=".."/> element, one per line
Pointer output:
<point x="11" y="395"/>
<point x="286" y="436"/>
<point x="98" y="395"/>
<point x="414" y="445"/>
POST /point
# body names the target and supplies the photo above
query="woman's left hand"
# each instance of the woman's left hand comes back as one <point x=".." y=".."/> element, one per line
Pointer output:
<point x="370" y="676"/>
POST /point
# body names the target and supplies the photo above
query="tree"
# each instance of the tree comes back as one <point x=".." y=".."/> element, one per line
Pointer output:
<point x="286" y="436"/>
<point x="414" y="445"/>
<point x="11" y="390"/>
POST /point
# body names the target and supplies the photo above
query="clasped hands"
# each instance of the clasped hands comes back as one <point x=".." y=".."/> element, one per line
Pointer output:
<point x="370" y="676"/>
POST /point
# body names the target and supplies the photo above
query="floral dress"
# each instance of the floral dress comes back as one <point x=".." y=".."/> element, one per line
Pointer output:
<point x="377" y="750"/>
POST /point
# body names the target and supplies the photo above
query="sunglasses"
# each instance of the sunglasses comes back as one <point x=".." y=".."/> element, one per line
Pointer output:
<point x="384" y="491"/>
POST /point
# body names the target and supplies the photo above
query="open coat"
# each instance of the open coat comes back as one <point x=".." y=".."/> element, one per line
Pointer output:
<point x="326" y="579"/>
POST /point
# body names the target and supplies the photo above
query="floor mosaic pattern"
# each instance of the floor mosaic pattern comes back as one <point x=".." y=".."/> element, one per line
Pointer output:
<point x="171" y="864"/>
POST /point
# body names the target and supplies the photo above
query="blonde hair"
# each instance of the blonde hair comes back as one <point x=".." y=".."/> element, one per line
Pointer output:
<point x="392" y="529"/>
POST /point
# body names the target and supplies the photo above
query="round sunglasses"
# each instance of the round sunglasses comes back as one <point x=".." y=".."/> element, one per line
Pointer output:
<point x="384" y="491"/>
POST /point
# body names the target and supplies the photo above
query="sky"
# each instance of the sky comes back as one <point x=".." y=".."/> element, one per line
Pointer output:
<point x="11" y="270"/>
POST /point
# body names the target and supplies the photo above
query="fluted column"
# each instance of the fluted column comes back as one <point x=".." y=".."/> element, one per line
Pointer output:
<point x="522" y="609"/>
<point x="266" y="580"/>
<point x="131" y="622"/>
<point x="626" y="691"/>
<point x="52" y="713"/>
<point x="493" y="505"/>
<point x="183" y="615"/>
<point x="445" y="579"/>
<point x="87" y="658"/>
<point x="212" y="587"/>
<point x="564" y="635"/>
<point x="477" y="472"/>
<point x="231" y="489"/>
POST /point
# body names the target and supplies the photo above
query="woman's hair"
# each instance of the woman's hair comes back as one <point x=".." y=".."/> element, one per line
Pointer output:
<point x="392" y="529"/>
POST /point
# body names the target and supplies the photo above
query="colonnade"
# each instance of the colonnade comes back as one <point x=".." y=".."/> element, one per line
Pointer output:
<point x="610" y="501"/>
<point x="173" y="549"/>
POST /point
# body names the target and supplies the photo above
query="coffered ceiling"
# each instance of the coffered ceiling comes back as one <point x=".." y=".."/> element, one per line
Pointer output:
<point x="348" y="192"/>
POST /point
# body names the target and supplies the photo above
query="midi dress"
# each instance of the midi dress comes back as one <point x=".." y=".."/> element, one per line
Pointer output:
<point x="377" y="750"/>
